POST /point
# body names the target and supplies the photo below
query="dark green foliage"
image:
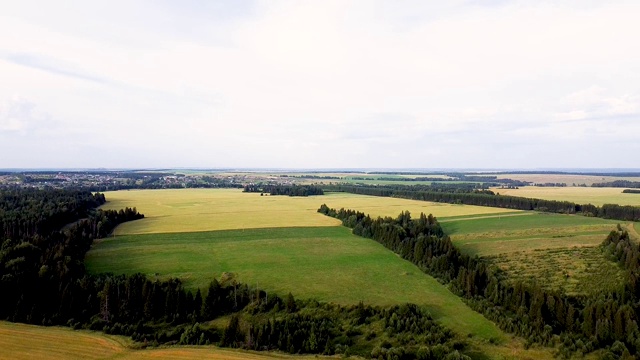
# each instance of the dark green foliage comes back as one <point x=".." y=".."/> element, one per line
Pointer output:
<point x="289" y="190"/>
<point x="618" y="184"/>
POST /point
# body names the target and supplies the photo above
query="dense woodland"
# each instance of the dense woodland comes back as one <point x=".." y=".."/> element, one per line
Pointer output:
<point x="618" y="184"/>
<point x="46" y="234"/>
<point x="288" y="190"/>
<point x="487" y="198"/>
<point x="577" y="324"/>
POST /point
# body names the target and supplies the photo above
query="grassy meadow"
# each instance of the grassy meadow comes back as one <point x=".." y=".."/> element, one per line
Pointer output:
<point x="556" y="251"/>
<point x="496" y="235"/>
<point x="223" y="209"/>
<point x="325" y="263"/>
<point x="579" y="195"/>
<point x="27" y="342"/>
<point x="577" y="271"/>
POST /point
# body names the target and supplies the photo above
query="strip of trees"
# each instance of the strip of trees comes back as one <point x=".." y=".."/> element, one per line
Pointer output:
<point x="288" y="190"/>
<point x="577" y="324"/>
<point x="618" y="184"/>
<point x="607" y="211"/>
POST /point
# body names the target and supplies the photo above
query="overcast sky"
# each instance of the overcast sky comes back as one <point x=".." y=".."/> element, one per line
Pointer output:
<point x="320" y="84"/>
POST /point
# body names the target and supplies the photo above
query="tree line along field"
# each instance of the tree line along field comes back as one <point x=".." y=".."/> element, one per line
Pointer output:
<point x="27" y="342"/>
<point x="223" y="209"/>
<point x="580" y="195"/>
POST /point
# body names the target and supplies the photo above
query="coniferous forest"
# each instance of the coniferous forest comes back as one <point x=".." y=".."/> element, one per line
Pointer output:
<point x="289" y="190"/>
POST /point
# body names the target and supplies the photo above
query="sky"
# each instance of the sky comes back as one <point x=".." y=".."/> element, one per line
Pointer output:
<point x="320" y="84"/>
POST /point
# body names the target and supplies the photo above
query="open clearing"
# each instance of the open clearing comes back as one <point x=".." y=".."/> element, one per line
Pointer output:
<point x="576" y="271"/>
<point x="27" y="342"/>
<point x="189" y="210"/>
<point x="557" y="251"/>
<point x="504" y="234"/>
<point x="325" y="263"/>
<point x="579" y="195"/>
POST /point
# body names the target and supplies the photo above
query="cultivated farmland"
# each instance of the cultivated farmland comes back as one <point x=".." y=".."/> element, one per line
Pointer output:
<point x="579" y="195"/>
<point x="568" y="179"/>
<point x="224" y="209"/>
<point x="556" y="251"/>
<point x="490" y="236"/>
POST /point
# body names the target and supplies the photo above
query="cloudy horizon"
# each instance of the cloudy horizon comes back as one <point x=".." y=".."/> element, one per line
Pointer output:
<point x="319" y="84"/>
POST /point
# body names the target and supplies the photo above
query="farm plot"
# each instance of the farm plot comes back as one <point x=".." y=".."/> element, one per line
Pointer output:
<point x="578" y="195"/>
<point x="505" y="234"/>
<point x="325" y="263"/>
<point x="190" y="210"/>
<point x="556" y="251"/>
<point x="576" y="271"/>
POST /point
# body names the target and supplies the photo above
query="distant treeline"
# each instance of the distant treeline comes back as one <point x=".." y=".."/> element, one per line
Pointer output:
<point x="491" y="180"/>
<point x="618" y="184"/>
<point x="43" y="281"/>
<point x="550" y="184"/>
<point x="289" y="190"/>
<point x="631" y="191"/>
<point x="607" y="211"/>
<point x="577" y="324"/>
<point x="587" y="173"/>
<point x="323" y="177"/>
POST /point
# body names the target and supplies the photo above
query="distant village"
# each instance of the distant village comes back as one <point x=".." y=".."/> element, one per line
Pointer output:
<point x="104" y="181"/>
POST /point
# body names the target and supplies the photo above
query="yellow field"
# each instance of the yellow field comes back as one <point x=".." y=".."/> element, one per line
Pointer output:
<point x="564" y="178"/>
<point x="191" y="210"/>
<point x="28" y="342"/>
<point x="579" y="195"/>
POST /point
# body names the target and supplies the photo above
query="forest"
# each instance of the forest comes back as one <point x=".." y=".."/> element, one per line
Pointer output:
<point x="288" y="190"/>
<point x="575" y="324"/>
<point x="618" y="184"/>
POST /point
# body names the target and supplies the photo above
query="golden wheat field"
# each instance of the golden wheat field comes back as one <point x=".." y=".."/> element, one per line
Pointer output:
<point x="579" y="195"/>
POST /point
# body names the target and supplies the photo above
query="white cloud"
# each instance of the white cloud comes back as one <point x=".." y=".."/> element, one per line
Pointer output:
<point x="302" y="84"/>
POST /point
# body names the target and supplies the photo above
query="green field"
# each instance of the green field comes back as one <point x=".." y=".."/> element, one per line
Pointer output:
<point x="504" y="234"/>
<point x="222" y="209"/>
<point x="28" y="342"/>
<point x="325" y="263"/>
<point x="554" y="250"/>
<point x="578" y="195"/>
<point x="576" y="271"/>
